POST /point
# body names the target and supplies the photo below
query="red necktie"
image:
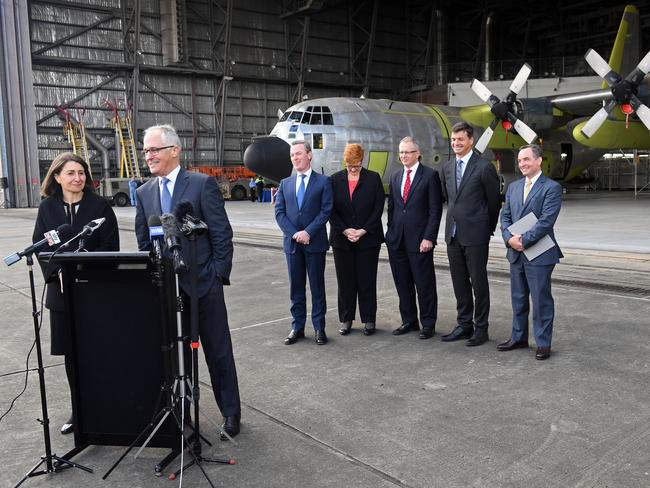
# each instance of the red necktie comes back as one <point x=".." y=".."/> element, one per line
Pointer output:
<point x="407" y="185"/>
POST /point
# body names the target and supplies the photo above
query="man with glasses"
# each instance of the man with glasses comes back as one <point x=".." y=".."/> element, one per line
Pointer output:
<point x="172" y="184"/>
<point x="414" y="212"/>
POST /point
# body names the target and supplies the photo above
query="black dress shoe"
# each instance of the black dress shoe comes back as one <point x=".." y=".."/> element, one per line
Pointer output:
<point x="457" y="334"/>
<point x="479" y="337"/>
<point x="230" y="426"/>
<point x="369" y="328"/>
<point x="543" y="353"/>
<point x="509" y="345"/>
<point x="293" y="336"/>
<point x="321" y="338"/>
<point x="345" y="328"/>
<point x="406" y="328"/>
<point x="427" y="332"/>
<point x="68" y="427"/>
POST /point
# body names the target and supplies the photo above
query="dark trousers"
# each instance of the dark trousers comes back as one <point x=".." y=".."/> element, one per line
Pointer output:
<point x="217" y="348"/>
<point x="302" y="264"/>
<point x="468" y="268"/>
<point x="415" y="271"/>
<point x="356" y="275"/>
<point x="532" y="283"/>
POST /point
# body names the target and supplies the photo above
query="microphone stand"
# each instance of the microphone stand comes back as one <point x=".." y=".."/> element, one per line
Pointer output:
<point x="195" y="451"/>
<point x="61" y="463"/>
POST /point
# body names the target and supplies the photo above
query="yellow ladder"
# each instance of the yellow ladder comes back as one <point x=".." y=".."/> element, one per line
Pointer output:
<point x="129" y="164"/>
<point x="76" y="134"/>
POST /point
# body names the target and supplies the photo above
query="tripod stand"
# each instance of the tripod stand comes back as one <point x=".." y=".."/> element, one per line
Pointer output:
<point x="196" y="448"/>
<point x="61" y="463"/>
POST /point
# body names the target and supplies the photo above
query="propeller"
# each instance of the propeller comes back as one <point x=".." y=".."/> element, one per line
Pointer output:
<point x="504" y="111"/>
<point x="624" y="92"/>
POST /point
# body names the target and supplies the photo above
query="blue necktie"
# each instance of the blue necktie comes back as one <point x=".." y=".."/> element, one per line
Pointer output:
<point x="165" y="197"/>
<point x="300" y="196"/>
<point x="459" y="172"/>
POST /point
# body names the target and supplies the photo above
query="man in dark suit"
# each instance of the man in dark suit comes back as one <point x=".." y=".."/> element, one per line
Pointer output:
<point x="303" y="205"/>
<point x="531" y="278"/>
<point x="470" y="185"/>
<point x="214" y="257"/>
<point x="414" y="212"/>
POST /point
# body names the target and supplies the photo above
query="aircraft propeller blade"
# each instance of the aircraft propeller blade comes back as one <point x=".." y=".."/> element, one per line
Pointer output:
<point x="526" y="133"/>
<point x="600" y="66"/>
<point x="644" y="64"/>
<point x="521" y="78"/>
<point x="481" y="90"/>
<point x="642" y="111"/>
<point x="484" y="140"/>
<point x="594" y="123"/>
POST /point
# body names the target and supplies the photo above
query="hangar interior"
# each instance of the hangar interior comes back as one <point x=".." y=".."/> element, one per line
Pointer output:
<point x="220" y="70"/>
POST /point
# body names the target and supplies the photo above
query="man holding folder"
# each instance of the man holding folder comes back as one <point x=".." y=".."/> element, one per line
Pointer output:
<point x="532" y="250"/>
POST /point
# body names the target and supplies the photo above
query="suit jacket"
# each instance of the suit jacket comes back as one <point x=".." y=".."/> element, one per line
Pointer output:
<point x="312" y="217"/>
<point x="51" y="214"/>
<point x="544" y="200"/>
<point x="363" y="211"/>
<point x="214" y="249"/>
<point x="419" y="217"/>
<point x="475" y="206"/>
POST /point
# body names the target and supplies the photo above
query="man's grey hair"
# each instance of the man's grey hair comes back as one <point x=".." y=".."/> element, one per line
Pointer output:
<point x="304" y="143"/>
<point x="536" y="148"/>
<point x="411" y="140"/>
<point x="168" y="135"/>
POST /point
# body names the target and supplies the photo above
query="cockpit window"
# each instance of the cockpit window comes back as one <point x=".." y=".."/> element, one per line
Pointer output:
<point x="313" y="115"/>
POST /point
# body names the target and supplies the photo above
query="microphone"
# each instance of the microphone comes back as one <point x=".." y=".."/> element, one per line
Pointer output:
<point x="52" y="237"/>
<point x="156" y="235"/>
<point x="170" y="232"/>
<point x="189" y="225"/>
<point x="92" y="226"/>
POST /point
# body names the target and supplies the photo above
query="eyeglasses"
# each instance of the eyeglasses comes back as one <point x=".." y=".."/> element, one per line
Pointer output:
<point x="353" y="166"/>
<point x="155" y="150"/>
<point x="404" y="153"/>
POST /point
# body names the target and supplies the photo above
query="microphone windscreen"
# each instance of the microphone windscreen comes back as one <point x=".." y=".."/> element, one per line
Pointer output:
<point x="169" y="225"/>
<point x="65" y="232"/>
<point x="154" y="221"/>
<point x="182" y="209"/>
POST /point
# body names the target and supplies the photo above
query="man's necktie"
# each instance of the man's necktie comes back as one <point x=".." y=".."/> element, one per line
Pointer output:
<point x="527" y="189"/>
<point x="300" y="196"/>
<point x="165" y="197"/>
<point x="407" y="185"/>
<point x="459" y="172"/>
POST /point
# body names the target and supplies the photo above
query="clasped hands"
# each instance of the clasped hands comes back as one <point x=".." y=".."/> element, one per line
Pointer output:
<point x="302" y="237"/>
<point x="516" y="242"/>
<point x="354" y="235"/>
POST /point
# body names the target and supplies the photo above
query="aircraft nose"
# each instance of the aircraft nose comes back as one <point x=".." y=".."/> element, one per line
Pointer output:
<point x="269" y="157"/>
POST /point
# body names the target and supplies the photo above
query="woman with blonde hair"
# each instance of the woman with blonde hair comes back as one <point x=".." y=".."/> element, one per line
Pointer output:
<point x="356" y="234"/>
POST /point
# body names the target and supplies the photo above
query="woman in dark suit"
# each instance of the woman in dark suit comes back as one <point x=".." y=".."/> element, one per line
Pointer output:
<point x="356" y="234"/>
<point x="70" y="199"/>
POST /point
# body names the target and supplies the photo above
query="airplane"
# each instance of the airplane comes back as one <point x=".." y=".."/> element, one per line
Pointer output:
<point x="574" y="130"/>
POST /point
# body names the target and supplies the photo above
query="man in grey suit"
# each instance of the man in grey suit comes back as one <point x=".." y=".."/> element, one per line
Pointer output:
<point x="531" y="278"/>
<point x="162" y="148"/>
<point x="471" y="187"/>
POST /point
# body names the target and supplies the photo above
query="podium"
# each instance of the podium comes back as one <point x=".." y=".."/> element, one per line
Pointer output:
<point x="119" y="339"/>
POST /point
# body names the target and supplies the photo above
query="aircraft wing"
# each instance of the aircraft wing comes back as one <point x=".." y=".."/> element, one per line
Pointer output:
<point x="583" y="103"/>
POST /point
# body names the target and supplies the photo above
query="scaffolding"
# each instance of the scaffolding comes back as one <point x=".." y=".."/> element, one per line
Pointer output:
<point x="129" y="164"/>
<point x="75" y="132"/>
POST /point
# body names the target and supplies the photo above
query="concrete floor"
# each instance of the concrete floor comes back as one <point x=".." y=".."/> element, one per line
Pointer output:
<point x="383" y="410"/>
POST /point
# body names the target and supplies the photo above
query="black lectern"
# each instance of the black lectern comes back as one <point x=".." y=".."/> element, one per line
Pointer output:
<point x="114" y="313"/>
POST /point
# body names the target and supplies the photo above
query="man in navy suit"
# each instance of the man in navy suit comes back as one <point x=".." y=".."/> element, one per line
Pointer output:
<point x="543" y="197"/>
<point x="162" y="148"/>
<point x="414" y="212"/>
<point x="470" y="185"/>
<point x="303" y="205"/>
